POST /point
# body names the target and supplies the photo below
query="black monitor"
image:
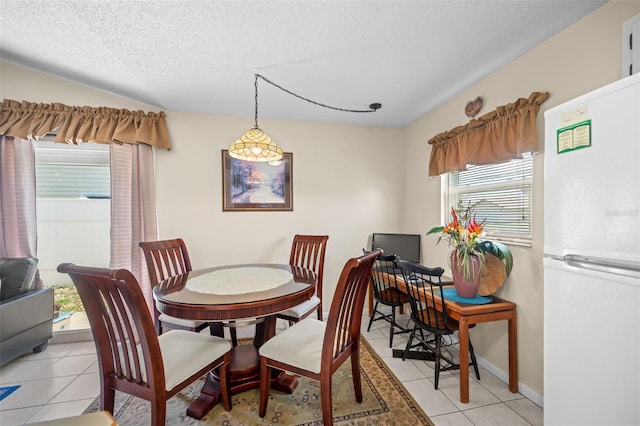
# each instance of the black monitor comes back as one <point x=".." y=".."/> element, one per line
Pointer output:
<point x="405" y="246"/>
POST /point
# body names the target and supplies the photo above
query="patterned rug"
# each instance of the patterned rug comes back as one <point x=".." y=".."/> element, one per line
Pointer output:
<point x="385" y="402"/>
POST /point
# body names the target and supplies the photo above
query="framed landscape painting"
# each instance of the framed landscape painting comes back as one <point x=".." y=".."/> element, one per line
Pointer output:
<point x="256" y="185"/>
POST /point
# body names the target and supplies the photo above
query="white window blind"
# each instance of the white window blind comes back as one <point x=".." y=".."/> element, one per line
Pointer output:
<point x="72" y="171"/>
<point x="501" y="193"/>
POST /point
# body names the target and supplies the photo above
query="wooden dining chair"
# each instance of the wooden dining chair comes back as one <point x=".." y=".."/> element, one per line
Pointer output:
<point x="315" y="349"/>
<point x="132" y="358"/>
<point x="385" y="292"/>
<point x="165" y="259"/>
<point x="307" y="251"/>
<point x="429" y="313"/>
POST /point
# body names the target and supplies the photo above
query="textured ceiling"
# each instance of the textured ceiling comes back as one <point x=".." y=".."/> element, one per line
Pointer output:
<point x="201" y="56"/>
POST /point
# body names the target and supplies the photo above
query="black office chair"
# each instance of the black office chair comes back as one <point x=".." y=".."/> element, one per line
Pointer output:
<point x="385" y="291"/>
<point x="429" y="313"/>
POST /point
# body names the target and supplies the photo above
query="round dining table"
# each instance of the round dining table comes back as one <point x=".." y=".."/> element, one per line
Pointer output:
<point x="237" y="294"/>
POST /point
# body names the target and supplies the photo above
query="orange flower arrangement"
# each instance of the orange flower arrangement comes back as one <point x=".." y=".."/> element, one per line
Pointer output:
<point x="464" y="234"/>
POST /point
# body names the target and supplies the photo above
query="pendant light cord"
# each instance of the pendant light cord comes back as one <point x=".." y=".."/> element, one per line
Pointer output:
<point x="256" y="113"/>
<point x="373" y="107"/>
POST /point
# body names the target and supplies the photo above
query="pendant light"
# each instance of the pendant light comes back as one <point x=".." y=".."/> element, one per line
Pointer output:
<point x="255" y="145"/>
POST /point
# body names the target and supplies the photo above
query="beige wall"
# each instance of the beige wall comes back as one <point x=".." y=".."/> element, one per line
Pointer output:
<point x="348" y="180"/>
<point x="347" y="183"/>
<point x="581" y="58"/>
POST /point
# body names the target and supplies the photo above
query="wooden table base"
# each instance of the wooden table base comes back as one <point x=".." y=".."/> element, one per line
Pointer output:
<point x="245" y="375"/>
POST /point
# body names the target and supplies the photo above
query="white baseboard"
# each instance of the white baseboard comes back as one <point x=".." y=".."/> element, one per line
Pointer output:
<point x="70" y="336"/>
<point x="523" y="389"/>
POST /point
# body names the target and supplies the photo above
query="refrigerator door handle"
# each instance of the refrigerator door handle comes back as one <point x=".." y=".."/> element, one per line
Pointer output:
<point x="610" y="266"/>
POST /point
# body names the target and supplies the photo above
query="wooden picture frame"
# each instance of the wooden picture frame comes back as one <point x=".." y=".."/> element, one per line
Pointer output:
<point x="256" y="185"/>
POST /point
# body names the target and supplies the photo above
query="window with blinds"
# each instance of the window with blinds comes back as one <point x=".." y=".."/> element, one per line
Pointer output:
<point x="501" y="193"/>
<point x="72" y="171"/>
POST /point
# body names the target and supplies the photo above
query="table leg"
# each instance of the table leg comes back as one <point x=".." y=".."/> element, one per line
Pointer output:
<point x="245" y="373"/>
<point x="463" y="336"/>
<point x="209" y="396"/>
<point x="265" y="330"/>
<point x="513" y="353"/>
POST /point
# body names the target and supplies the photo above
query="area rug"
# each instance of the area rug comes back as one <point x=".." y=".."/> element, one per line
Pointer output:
<point x="385" y="402"/>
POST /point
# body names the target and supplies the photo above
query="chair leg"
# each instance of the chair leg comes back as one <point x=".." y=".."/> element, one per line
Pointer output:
<point x="411" y="336"/>
<point x="265" y="384"/>
<point x="225" y="387"/>
<point x="422" y="335"/>
<point x="107" y="399"/>
<point x="355" y="373"/>
<point x="375" y="309"/>
<point x="325" y="399"/>
<point x="320" y="311"/>
<point x="473" y="360"/>
<point x="393" y="323"/>
<point x="437" y="360"/>
<point x="158" y="412"/>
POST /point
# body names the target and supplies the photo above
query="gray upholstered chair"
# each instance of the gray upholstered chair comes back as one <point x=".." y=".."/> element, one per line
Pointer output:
<point x="315" y="349"/>
<point x="26" y="313"/>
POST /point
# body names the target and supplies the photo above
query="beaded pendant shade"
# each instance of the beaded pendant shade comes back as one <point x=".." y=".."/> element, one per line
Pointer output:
<point x="255" y="145"/>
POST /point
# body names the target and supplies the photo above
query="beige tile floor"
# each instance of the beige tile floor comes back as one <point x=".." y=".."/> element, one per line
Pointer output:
<point x="63" y="380"/>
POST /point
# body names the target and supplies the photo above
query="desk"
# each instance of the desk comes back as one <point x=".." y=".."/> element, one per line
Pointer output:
<point x="233" y="293"/>
<point x="445" y="280"/>
<point x="498" y="310"/>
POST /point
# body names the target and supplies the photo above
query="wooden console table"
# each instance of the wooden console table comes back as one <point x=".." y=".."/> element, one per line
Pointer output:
<point x="497" y="310"/>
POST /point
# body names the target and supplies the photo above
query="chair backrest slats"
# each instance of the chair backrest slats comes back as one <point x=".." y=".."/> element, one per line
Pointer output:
<point x="127" y="339"/>
<point x="308" y="252"/>
<point x="345" y="314"/>
<point x="384" y="280"/>
<point x="426" y="296"/>
<point x="123" y="330"/>
<point x="166" y="258"/>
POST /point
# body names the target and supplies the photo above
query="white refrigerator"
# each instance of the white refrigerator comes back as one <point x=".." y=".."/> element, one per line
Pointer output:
<point x="592" y="258"/>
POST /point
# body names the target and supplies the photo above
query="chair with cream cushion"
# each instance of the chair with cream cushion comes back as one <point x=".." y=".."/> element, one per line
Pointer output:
<point x="315" y="349"/>
<point x="132" y="358"/>
<point x="166" y="259"/>
<point x="307" y="251"/>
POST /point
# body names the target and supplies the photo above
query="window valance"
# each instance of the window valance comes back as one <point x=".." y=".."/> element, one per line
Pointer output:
<point x="500" y="135"/>
<point x="74" y="124"/>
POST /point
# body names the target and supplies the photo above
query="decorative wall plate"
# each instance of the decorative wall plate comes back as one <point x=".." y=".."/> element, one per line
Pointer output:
<point x="492" y="276"/>
<point x="472" y="108"/>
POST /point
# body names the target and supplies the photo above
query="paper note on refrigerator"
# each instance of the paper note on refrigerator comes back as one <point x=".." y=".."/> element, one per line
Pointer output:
<point x="574" y="137"/>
